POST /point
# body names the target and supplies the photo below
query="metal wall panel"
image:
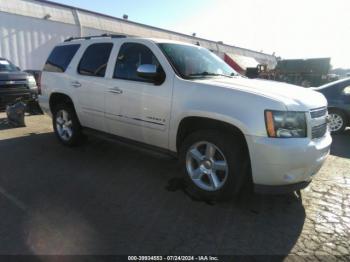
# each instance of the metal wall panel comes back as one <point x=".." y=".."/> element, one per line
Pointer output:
<point x="26" y="37"/>
<point x="27" y="41"/>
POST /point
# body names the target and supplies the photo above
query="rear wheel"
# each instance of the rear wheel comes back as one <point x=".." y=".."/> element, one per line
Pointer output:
<point x="213" y="164"/>
<point x="337" y="122"/>
<point x="66" y="125"/>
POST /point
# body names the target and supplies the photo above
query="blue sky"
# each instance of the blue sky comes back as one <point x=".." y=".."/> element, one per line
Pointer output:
<point x="291" y="29"/>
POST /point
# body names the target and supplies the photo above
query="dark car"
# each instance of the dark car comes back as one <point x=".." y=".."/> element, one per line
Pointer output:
<point x="338" y="96"/>
<point x="15" y="85"/>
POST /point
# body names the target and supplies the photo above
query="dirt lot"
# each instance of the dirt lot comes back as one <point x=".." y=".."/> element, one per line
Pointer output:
<point x="109" y="198"/>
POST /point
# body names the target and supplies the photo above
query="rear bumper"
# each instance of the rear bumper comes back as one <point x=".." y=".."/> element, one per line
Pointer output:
<point x="44" y="104"/>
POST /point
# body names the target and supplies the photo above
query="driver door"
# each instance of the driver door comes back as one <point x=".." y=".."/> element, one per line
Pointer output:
<point x="136" y="108"/>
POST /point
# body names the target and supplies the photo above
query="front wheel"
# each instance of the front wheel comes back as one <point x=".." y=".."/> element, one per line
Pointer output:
<point x="213" y="164"/>
<point x="66" y="125"/>
<point x="337" y="121"/>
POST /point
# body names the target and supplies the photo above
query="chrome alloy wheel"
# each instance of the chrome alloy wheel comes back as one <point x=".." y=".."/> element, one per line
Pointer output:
<point x="64" y="125"/>
<point x="207" y="166"/>
<point x="336" y="122"/>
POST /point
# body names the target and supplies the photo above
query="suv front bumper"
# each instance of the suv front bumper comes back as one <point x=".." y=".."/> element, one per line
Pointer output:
<point x="286" y="165"/>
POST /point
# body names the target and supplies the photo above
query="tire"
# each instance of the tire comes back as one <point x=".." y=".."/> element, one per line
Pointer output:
<point x="338" y="121"/>
<point x="228" y="150"/>
<point x="66" y="125"/>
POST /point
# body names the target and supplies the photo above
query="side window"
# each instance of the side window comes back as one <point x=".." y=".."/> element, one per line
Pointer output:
<point x="60" y="58"/>
<point x="346" y="91"/>
<point x="130" y="57"/>
<point x="95" y="59"/>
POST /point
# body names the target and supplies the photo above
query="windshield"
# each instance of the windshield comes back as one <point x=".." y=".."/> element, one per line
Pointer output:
<point x="332" y="84"/>
<point x="6" y="66"/>
<point x="195" y="62"/>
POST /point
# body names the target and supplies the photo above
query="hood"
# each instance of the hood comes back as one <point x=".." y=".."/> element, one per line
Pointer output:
<point x="11" y="76"/>
<point x="295" y="98"/>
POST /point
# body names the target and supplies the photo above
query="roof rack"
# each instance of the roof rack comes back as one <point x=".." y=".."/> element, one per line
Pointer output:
<point x="95" y="36"/>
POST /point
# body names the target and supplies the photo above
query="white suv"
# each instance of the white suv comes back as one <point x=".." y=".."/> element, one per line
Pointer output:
<point x="183" y="99"/>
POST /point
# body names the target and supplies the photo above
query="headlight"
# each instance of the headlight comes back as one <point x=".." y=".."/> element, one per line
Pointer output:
<point x="284" y="124"/>
<point x="31" y="82"/>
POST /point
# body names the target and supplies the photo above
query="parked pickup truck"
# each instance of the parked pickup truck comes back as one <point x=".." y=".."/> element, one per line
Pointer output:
<point x="15" y="85"/>
<point x="226" y="129"/>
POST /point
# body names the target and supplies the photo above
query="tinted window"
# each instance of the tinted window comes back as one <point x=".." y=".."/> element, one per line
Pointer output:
<point x="335" y="83"/>
<point x="330" y="92"/>
<point x="95" y="59"/>
<point x="60" y="58"/>
<point x="130" y="57"/>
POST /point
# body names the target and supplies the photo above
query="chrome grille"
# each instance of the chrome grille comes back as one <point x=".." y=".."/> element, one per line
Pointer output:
<point x="319" y="131"/>
<point x="318" y="112"/>
<point x="13" y="84"/>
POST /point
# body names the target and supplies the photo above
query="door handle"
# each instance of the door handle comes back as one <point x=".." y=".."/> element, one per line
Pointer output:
<point x="116" y="90"/>
<point x="76" y="84"/>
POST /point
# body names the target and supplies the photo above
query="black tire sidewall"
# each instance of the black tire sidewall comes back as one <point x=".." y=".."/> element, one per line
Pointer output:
<point x="77" y="134"/>
<point x="236" y="159"/>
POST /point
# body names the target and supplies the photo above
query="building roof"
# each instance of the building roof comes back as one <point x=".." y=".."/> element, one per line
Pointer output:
<point x="146" y="26"/>
<point x="58" y="22"/>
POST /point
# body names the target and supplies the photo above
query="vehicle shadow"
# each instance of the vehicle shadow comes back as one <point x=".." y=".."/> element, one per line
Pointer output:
<point x="109" y="198"/>
<point x="341" y="145"/>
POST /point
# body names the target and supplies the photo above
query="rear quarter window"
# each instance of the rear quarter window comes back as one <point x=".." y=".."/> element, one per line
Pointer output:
<point x="60" y="58"/>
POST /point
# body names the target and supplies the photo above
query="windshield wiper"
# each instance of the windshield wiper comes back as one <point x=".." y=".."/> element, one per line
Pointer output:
<point x="210" y="74"/>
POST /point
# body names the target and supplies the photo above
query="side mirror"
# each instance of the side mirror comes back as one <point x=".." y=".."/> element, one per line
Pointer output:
<point x="147" y="71"/>
<point x="152" y="73"/>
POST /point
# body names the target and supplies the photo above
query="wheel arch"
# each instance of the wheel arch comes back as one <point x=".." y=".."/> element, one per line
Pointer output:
<point x="61" y="98"/>
<point x="58" y="98"/>
<point x="190" y="124"/>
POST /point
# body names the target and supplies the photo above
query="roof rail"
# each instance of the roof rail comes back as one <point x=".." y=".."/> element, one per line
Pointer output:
<point x="95" y="36"/>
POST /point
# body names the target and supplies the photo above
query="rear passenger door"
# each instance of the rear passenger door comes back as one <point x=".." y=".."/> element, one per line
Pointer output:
<point x="91" y="84"/>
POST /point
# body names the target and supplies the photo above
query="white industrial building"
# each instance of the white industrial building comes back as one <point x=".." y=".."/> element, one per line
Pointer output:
<point x="29" y="29"/>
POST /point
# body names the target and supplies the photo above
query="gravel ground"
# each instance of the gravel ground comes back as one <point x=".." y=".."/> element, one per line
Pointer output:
<point x="110" y="198"/>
